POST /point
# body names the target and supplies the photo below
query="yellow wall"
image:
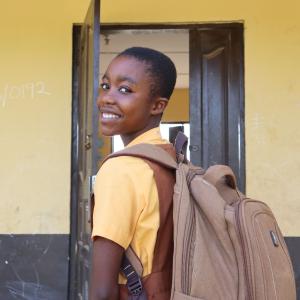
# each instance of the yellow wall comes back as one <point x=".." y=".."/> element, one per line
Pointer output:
<point x="178" y="107"/>
<point x="35" y="123"/>
<point x="35" y="116"/>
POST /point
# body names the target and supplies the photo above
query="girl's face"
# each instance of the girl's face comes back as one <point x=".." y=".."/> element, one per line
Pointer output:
<point x="125" y="102"/>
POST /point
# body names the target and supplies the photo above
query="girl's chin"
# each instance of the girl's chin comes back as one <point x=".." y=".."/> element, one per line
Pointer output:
<point x="108" y="132"/>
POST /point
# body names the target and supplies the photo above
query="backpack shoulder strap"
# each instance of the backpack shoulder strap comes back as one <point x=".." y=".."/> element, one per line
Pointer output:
<point x="180" y="145"/>
<point x="134" y="260"/>
<point x="132" y="269"/>
<point x="147" y="151"/>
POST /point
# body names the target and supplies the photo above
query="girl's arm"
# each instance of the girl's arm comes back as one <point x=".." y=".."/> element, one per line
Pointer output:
<point x="106" y="262"/>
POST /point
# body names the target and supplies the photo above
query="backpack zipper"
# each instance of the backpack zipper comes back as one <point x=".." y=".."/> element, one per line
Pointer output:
<point x="188" y="251"/>
<point x="240" y="230"/>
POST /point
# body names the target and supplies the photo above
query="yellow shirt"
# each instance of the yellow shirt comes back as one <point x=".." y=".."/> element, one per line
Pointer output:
<point x="126" y="202"/>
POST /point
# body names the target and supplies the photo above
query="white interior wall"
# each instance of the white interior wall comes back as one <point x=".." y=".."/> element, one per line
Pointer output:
<point x="172" y="42"/>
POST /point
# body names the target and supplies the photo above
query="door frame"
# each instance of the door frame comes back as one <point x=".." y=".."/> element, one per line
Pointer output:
<point x="74" y="161"/>
<point x="74" y="154"/>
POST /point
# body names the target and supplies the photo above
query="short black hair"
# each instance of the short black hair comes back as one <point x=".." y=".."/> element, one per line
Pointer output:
<point x="161" y="68"/>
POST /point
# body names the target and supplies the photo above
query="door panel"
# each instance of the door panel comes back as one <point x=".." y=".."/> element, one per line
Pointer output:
<point x="217" y="99"/>
<point x="214" y="75"/>
<point x="85" y="148"/>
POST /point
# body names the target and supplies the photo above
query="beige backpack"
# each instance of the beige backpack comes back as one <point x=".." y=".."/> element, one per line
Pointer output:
<point x="226" y="246"/>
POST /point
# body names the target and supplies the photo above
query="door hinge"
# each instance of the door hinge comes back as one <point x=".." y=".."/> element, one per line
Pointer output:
<point x="92" y="180"/>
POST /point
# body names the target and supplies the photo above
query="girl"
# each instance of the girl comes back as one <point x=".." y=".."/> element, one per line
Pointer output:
<point x="133" y="197"/>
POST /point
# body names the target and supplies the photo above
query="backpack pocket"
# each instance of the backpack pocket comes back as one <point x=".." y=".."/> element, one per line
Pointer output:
<point x="268" y="269"/>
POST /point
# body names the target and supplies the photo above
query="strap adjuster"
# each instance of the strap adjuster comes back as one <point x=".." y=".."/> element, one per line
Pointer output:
<point x="135" y="286"/>
<point x="134" y="282"/>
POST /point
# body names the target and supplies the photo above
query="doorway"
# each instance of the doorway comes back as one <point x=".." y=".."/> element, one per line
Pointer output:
<point x="209" y="93"/>
<point x="208" y="104"/>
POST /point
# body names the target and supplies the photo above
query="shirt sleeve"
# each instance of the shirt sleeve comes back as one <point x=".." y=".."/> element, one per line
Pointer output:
<point x="119" y="199"/>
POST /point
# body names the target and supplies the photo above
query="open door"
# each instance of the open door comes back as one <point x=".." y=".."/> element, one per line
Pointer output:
<point x="85" y="147"/>
<point x="217" y="98"/>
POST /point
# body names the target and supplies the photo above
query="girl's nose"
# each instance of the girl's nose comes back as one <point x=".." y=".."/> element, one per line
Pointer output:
<point x="105" y="97"/>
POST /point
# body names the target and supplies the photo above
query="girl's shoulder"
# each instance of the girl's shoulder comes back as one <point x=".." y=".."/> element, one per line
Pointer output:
<point x="125" y="166"/>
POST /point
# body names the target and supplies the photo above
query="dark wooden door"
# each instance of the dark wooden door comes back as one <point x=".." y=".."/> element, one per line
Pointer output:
<point x="85" y="147"/>
<point x="217" y="98"/>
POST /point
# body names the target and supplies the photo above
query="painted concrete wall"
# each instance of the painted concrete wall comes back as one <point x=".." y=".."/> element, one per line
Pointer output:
<point x="35" y="114"/>
<point x="35" y="103"/>
<point x="178" y="107"/>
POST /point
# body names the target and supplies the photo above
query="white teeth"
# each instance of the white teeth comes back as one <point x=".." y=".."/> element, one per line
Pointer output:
<point x="110" y="116"/>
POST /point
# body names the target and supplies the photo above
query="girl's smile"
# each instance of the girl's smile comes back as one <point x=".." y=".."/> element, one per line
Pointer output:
<point x="109" y="116"/>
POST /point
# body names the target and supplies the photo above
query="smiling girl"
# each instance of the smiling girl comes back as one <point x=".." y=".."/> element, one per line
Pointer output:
<point x="133" y="197"/>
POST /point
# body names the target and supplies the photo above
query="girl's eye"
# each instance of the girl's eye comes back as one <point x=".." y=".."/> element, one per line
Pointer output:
<point x="124" y="90"/>
<point x="104" y="86"/>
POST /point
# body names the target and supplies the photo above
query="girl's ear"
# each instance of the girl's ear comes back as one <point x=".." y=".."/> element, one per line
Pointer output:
<point x="159" y="105"/>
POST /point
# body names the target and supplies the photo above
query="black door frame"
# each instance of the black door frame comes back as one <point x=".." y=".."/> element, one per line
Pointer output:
<point x="85" y="84"/>
<point x="74" y="156"/>
<point x="74" y="161"/>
